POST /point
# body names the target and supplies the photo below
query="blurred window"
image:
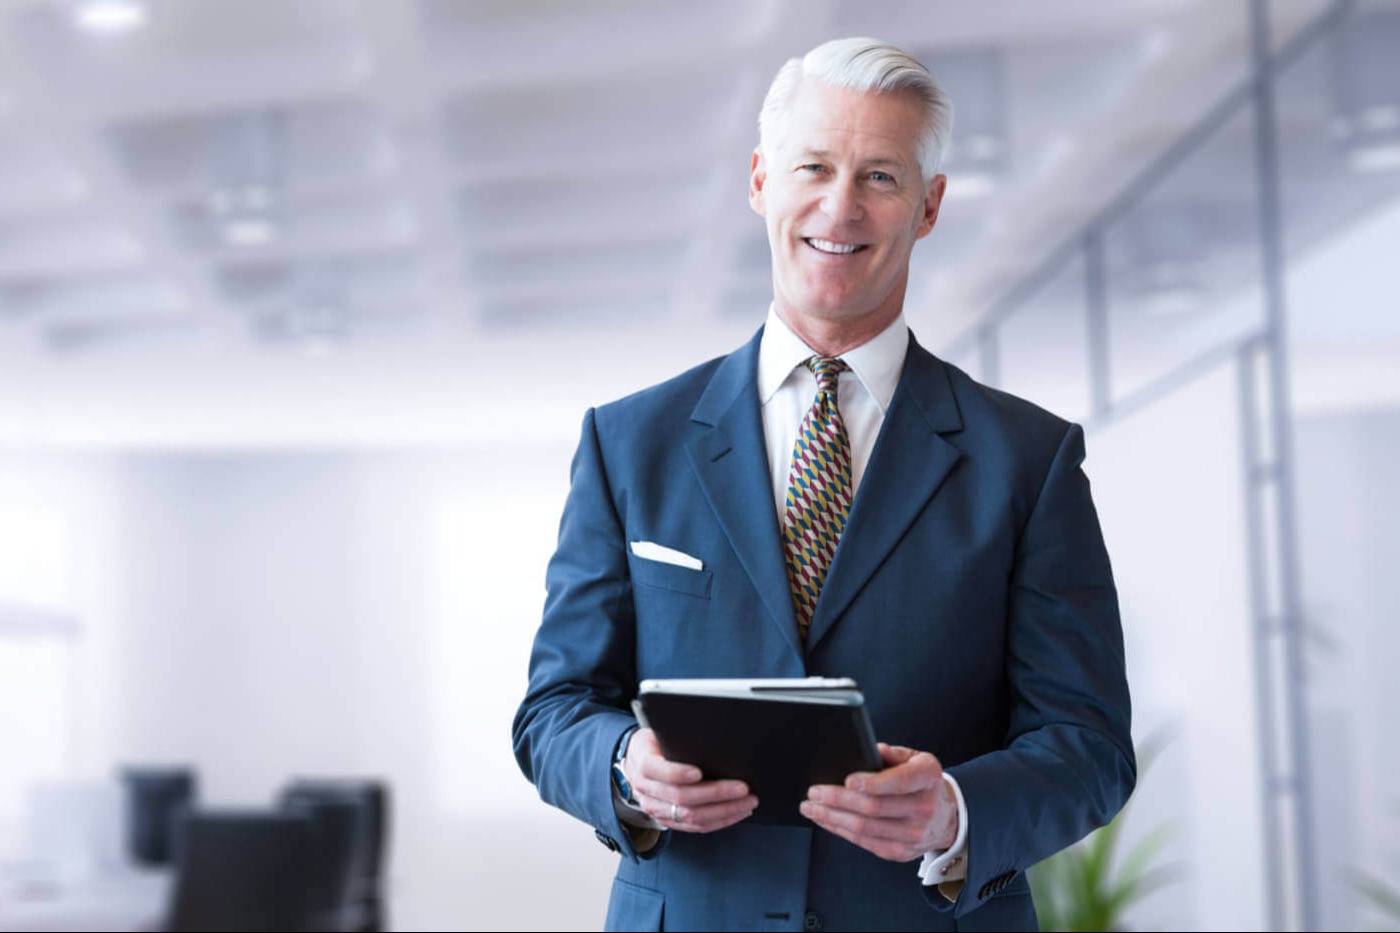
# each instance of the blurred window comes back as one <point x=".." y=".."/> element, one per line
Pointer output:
<point x="37" y="632"/>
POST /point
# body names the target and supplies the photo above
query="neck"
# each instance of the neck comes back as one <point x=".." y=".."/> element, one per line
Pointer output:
<point x="831" y="337"/>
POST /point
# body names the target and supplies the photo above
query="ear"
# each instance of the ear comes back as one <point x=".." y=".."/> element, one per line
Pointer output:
<point x="933" y="199"/>
<point x="758" y="176"/>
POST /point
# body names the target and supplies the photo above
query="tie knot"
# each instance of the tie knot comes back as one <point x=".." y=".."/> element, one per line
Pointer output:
<point x="828" y="371"/>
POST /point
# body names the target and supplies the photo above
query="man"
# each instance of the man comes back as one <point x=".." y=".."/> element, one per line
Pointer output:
<point x="833" y="500"/>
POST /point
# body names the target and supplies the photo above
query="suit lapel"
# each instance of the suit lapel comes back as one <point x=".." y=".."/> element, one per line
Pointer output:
<point x="909" y="462"/>
<point x="731" y="462"/>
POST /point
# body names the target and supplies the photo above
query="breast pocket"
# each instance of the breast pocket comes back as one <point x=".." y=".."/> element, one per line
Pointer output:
<point x="664" y="576"/>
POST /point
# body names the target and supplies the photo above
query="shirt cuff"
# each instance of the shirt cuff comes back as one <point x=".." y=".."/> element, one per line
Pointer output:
<point x="942" y="866"/>
<point x="632" y="814"/>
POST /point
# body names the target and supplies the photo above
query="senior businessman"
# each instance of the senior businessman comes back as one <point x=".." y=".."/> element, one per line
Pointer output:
<point x="831" y="499"/>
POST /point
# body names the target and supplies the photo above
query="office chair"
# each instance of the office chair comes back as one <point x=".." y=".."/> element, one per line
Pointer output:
<point x="244" y="871"/>
<point x="338" y="839"/>
<point x="364" y="898"/>
<point x="155" y="797"/>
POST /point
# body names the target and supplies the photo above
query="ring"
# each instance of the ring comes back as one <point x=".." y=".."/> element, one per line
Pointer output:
<point x="675" y="814"/>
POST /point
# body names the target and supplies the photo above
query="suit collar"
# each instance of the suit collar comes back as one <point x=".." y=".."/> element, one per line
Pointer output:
<point x="910" y="461"/>
<point x="733" y="377"/>
<point x="731" y="463"/>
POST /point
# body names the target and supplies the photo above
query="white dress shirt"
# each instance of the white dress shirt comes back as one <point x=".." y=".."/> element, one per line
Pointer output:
<point x="786" y="389"/>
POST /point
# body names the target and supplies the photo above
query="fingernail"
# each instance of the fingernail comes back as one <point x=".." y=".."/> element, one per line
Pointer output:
<point x="691" y="774"/>
<point x="806" y="807"/>
<point x="856" y="783"/>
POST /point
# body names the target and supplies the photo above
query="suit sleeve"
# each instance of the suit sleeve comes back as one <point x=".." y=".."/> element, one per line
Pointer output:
<point x="583" y="664"/>
<point x="1068" y="764"/>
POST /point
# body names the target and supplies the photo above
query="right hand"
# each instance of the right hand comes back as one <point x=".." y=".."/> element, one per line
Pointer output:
<point x="701" y="806"/>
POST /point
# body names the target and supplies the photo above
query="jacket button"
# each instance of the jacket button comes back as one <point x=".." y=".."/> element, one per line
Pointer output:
<point x="812" y="921"/>
<point x="608" y="842"/>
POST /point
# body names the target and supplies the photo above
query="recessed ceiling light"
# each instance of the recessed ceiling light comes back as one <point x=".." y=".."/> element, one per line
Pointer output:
<point x="250" y="230"/>
<point x="246" y="215"/>
<point x="110" y="16"/>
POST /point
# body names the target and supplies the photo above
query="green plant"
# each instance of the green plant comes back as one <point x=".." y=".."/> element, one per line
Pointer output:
<point x="1086" y="888"/>
<point x="1384" y="899"/>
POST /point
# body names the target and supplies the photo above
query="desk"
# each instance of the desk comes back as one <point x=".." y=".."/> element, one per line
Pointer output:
<point x="124" y="899"/>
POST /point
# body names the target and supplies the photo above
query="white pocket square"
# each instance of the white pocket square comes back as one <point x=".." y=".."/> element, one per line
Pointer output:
<point x="666" y="555"/>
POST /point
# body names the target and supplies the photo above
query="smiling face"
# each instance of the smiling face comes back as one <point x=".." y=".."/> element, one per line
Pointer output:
<point x="844" y="200"/>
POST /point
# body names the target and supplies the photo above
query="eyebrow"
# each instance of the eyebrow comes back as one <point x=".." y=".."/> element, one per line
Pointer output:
<point x="825" y="155"/>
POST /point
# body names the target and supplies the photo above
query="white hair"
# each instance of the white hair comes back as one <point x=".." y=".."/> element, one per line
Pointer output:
<point x="867" y="66"/>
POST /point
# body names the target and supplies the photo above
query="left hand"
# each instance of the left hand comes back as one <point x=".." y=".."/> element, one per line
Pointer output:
<point x="898" y="813"/>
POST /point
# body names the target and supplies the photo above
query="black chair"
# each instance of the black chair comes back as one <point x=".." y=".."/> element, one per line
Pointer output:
<point x="244" y="871"/>
<point x="363" y="902"/>
<point x="338" y="833"/>
<point x="155" y="798"/>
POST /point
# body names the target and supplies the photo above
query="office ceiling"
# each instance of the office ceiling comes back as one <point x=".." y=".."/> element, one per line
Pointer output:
<point x="362" y="209"/>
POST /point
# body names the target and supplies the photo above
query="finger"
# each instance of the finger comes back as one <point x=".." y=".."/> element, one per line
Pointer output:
<point x="891" y="756"/>
<point x="919" y="772"/>
<point x="882" y="806"/>
<point x="644" y="760"/>
<point x="703" y="818"/>
<point x="693" y="795"/>
<point x="894" y="754"/>
<point x="895" y="850"/>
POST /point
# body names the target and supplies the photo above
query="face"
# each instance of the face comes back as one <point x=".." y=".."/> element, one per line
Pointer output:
<point x="844" y="200"/>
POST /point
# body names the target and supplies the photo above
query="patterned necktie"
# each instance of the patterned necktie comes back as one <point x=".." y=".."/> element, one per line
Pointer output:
<point x="819" y="493"/>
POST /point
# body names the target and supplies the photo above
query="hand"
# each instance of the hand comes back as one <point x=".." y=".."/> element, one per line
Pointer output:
<point x="700" y="806"/>
<point x="898" y="813"/>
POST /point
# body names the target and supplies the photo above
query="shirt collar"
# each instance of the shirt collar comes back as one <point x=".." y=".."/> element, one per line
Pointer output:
<point x="877" y="363"/>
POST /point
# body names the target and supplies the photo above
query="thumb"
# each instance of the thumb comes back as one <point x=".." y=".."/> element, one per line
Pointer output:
<point x="894" y="754"/>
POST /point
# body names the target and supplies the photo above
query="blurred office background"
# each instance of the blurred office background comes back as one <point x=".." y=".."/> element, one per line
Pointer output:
<point x="301" y="303"/>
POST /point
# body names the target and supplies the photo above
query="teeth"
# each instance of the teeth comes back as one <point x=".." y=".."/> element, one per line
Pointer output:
<point x="826" y="246"/>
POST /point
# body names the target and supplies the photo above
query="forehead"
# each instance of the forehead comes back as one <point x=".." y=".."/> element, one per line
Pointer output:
<point x="822" y="116"/>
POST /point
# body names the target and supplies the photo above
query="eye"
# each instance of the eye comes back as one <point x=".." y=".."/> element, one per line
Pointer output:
<point x="814" y="168"/>
<point x="882" y="177"/>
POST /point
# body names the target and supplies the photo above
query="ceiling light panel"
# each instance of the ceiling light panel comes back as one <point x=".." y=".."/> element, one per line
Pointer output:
<point x="108" y="297"/>
<point x="369" y="278"/>
<point x="328" y="222"/>
<point x="566" y="208"/>
<point x="583" y="266"/>
<point x="594" y="126"/>
<point x="60" y="245"/>
<point x="480" y="39"/>
<point x="189" y="53"/>
<point x="643" y="305"/>
<point x="78" y="336"/>
<point x="327" y="143"/>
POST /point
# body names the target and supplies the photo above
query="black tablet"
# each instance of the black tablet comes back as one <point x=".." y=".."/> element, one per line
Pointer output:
<point x="779" y="735"/>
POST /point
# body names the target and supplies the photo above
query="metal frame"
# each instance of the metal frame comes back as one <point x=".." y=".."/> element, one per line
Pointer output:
<point x="1261" y="361"/>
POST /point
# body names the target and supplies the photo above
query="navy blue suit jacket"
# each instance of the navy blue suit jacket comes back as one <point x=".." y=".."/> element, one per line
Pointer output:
<point x="970" y="596"/>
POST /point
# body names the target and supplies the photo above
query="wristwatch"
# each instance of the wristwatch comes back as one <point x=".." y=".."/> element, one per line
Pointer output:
<point x="619" y="776"/>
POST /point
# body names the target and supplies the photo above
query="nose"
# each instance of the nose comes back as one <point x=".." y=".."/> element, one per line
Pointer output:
<point x="841" y="200"/>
